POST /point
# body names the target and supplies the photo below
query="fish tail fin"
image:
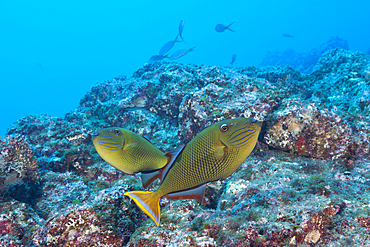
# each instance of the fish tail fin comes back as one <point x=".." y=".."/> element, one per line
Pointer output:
<point x="229" y="27"/>
<point x="148" y="202"/>
<point x="181" y="38"/>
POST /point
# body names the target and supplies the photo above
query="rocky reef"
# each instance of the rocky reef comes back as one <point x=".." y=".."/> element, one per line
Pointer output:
<point x="306" y="183"/>
<point x="303" y="62"/>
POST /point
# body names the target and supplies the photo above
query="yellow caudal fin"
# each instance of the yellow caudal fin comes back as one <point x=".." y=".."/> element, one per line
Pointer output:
<point x="148" y="202"/>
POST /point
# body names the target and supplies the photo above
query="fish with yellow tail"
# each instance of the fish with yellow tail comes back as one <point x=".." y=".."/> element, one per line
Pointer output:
<point x="214" y="154"/>
<point x="130" y="153"/>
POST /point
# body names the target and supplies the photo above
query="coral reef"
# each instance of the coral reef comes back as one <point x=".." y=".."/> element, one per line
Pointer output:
<point x="306" y="183"/>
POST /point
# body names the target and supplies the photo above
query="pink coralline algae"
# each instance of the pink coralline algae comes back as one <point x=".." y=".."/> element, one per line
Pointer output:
<point x="18" y="164"/>
<point x="80" y="227"/>
<point x="307" y="130"/>
<point x="18" y="223"/>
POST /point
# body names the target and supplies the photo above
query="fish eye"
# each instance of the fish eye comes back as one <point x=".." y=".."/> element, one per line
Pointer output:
<point x="117" y="132"/>
<point x="224" y="128"/>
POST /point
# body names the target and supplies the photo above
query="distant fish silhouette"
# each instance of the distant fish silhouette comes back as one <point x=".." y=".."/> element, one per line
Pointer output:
<point x="233" y="59"/>
<point x="157" y="58"/>
<point x="220" y="27"/>
<point x="287" y="35"/>
<point x="181" y="28"/>
<point x="168" y="46"/>
<point x="180" y="53"/>
<point x="38" y="64"/>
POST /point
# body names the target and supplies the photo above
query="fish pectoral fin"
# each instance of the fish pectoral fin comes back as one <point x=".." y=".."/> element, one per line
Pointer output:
<point x="147" y="177"/>
<point x="129" y="146"/>
<point x="148" y="202"/>
<point x="192" y="193"/>
<point x="221" y="152"/>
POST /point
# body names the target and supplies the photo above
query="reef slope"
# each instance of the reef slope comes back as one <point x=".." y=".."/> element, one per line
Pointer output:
<point x="306" y="182"/>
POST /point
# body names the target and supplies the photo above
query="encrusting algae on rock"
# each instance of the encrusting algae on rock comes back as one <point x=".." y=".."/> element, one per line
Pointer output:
<point x="214" y="154"/>
<point x="309" y="188"/>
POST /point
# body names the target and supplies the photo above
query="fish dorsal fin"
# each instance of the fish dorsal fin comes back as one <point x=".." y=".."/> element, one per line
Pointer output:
<point x="129" y="146"/>
<point x="147" y="177"/>
<point x="172" y="156"/>
<point x="192" y="193"/>
<point x="221" y="152"/>
<point x="147" y="137"/>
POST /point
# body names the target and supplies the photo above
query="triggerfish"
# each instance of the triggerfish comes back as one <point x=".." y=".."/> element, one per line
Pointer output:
<point x="220" y="27"/>
<point x="130" y="153"/>
<point x="214" y="154"/>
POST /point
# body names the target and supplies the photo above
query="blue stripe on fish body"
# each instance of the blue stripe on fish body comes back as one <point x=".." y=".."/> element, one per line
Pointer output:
<point x="108" y="139"/>
<point x="243" y="143"/>
<point x="240" y="134"/>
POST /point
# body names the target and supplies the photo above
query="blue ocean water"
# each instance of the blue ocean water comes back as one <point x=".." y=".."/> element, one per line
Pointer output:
<point x="52" y="52"/>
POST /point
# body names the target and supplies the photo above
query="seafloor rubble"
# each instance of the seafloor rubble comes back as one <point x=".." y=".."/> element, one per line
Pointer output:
<point x="305" y="184"/>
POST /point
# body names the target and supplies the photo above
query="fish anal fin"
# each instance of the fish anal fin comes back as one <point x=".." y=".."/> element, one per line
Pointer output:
<point x="147" y="177"/>
<point x="129" y="146"/>
<point x="193" y="193"/>
<point x="148" y="202"/>
<point x="172" y="155"/>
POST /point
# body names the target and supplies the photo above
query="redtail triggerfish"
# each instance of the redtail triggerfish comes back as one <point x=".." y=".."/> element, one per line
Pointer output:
<point x="130" y="153"/>
<point x="214" y="154"/>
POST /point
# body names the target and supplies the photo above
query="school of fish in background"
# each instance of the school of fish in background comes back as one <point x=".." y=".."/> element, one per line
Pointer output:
<point x="165" y="49"/>
<point x="182" y="52"/>
<point x="304" y="183"/>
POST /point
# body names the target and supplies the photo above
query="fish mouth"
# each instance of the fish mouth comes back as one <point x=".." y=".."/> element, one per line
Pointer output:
<point x="109" y="142"/>
<point x="240" y="137"/>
